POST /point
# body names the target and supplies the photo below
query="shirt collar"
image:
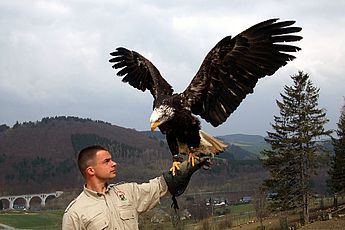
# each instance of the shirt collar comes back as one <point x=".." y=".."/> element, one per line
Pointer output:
<point x="95" y="194"/>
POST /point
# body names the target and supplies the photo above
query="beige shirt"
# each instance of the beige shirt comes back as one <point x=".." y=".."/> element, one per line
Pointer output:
<point x="117" y="208"/>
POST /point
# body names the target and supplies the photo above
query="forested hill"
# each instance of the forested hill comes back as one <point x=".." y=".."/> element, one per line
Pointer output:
<point x="41" y="156"/>
<point x="54" y="137"/>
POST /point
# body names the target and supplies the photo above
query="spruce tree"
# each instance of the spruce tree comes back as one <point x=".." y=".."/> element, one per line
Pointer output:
<point x="337" y="172"/>
<point x="294" y="153"/>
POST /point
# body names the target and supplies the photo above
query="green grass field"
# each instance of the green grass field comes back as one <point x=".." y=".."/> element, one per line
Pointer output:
<point x="241" y="208"/>
<point x="33" y="220"/>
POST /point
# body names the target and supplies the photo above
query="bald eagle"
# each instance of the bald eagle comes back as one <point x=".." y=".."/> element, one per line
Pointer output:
<point x="228" y="73"/>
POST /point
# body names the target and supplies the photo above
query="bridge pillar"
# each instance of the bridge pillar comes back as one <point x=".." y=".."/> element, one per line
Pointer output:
<point x="11" y="199"/>
<point x="27" y="201"/>
<point x="43" y="200"/>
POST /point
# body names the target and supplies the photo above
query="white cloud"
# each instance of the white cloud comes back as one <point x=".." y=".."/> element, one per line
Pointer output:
<point x="51" y="7"/>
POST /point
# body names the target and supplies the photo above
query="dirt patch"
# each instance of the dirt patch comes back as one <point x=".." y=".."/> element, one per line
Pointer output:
<point x="333" y="224"/>
<point x="337" y="223"/>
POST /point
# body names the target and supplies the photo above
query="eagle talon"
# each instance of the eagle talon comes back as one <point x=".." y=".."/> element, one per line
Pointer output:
<point x="175" y="166"/>
<point x="192" y="157"/>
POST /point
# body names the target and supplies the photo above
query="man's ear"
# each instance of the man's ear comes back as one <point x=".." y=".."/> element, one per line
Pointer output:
<point x="90" y="171"/>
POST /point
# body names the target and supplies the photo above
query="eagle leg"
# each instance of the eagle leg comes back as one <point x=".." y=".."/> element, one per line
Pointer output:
<point x="192" y="157"/>
<point x="175" y="165"/>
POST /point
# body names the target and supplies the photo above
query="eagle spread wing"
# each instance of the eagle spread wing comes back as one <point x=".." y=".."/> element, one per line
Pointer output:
<point x="140" y="72"/>
<point x="232" y="68"/>
<point x="227" y="75"/>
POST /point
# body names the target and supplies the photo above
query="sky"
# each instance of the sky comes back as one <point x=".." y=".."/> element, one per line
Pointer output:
<point x="54" y="56"/>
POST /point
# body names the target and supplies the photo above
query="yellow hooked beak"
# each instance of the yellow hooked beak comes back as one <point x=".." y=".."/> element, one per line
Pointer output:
<point x="154" y="125"/>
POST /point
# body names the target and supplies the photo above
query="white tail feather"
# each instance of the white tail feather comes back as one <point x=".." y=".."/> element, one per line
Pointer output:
<point x="209" y="145"/>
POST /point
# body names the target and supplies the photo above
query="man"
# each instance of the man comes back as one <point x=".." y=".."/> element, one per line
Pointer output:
<point x="107" y="206"/>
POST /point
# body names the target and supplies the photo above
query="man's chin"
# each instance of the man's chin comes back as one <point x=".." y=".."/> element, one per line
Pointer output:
<point x="111" y="176"/>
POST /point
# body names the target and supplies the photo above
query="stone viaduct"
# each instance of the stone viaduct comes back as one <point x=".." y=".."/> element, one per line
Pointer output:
<point x="42" y="196"/>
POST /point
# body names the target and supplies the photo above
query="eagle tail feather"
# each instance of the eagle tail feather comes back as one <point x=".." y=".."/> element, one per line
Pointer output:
<point x="212" y="144"/>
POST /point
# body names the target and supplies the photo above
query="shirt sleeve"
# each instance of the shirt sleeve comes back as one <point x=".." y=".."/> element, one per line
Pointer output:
<point x="147" y="195"/>
<point x="70" y="222"/>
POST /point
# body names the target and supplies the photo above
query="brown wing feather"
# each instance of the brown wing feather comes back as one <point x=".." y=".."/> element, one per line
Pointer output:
<point x="232" y="68"/>
<point x="139" y="72"/>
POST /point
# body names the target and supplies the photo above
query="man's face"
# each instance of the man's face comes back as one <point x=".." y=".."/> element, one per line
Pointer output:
<point x="105" y="167"/>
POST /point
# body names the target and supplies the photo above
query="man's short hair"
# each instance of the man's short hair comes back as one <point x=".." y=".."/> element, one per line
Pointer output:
<point x="86" y="157"/>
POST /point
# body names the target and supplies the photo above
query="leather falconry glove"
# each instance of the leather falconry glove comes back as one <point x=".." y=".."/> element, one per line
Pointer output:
<point x="177" y="184"/>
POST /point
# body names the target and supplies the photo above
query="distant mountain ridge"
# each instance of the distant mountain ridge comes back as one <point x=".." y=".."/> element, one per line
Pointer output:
<point x="252" y="143"/>
<point x="245" y="138"/>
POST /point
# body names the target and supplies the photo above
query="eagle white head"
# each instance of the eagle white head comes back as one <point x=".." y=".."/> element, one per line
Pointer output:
<point x="160" y="115"/>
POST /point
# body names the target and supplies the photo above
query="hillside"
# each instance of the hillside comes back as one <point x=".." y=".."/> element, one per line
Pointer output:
<point x="237" y="145"/>
<point x="41" y="156"/>
<point x="24" y="139"/>
<point x="252" y="143"/>
<point x="244" y="138"/>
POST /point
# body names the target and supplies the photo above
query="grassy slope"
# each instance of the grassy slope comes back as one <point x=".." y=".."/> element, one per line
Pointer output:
<point x="39" y="220"/>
